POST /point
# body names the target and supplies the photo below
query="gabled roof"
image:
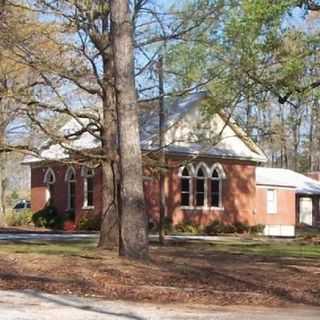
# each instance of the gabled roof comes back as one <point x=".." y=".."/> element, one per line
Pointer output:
<point x="287" y="178"/>
<point x="176" y="110"/>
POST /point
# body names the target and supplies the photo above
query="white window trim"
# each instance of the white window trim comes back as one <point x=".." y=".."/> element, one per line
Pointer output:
<point x="69" y="181"/>
<point x="189" y="177"/>
<point x="46" y="176"/>
<point x="220" y="192"/>
<point x="46" y="181"/>
<point x="275" y="202"/>
<point x="84" y="173"/>
<point x="193" y="171"/>
<point x="205" y="191"/>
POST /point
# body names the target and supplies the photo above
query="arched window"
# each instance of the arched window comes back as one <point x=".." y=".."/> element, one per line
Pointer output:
<point x="49" y="180"/>
<point x="49" y="177"/>
<point x="186" y="187"/>
<point x="88" y="187"/>
<point x="217" y="177"/>
<point x="201" y="187"/>
<point x="70" y="179"/>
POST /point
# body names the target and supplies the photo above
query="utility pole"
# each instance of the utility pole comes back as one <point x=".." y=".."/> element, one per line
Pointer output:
<point x="162" y="173"/>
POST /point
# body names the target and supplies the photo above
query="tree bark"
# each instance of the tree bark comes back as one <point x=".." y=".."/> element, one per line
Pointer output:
<point x="133" y="221"/>
<point x="162" y="196"/>
<point x="109" y="231"/>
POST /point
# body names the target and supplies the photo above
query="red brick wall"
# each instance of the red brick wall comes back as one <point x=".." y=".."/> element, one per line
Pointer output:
<point x="286" y="208"/>
<point x="238" y="194"/>
<point x="60" y="191"/>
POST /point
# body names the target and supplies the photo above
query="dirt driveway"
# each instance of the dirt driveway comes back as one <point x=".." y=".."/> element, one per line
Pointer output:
<point x="33" y="305"/>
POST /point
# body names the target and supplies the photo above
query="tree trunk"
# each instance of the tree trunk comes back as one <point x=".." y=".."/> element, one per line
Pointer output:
<point x="133" y="221"/>
<point x="109" y="232"/>
<point x="162" y="196"/>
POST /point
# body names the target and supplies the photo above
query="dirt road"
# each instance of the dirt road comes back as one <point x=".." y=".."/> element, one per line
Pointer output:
<point x="27" y="305"/>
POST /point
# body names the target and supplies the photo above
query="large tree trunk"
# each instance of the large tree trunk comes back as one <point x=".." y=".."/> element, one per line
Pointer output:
<point x="109" y="232"/>
<point x="133" y="222"/>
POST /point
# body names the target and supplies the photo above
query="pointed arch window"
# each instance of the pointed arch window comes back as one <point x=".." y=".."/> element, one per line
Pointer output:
<point x="186" y="187"/>
<point x="217" y="177"/>
<point x="70" y="179"/>
<point x="88" y="187"/>
<point x="49" y="180"/>
<point x="201" y="187"/>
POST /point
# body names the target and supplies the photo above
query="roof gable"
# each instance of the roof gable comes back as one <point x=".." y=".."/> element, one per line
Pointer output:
<point x="188" y="131"/>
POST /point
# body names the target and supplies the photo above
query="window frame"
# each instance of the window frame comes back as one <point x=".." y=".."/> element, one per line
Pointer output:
<point x="49" y="184"/>
<point x="203" y="178"/>
<point x="87" y="173"/>
<point x="274" y="209"/>
<point x="69" y="180"/>
<point x="190" y="192"/>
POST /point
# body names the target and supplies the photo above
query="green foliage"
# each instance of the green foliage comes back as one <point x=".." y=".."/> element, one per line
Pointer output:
<point x="257" y="229"/>
<point x="14" y="196"/>
<point x="188" y="227"/>
<point x="15" y="219"/>
<point x="241" y="227"/>
<point x="48" y="217"/>
<point x="90" y="223"/>
<point x="215" y="227"/>
<point x="69" y="215"/>
<point x="218" y="227"/>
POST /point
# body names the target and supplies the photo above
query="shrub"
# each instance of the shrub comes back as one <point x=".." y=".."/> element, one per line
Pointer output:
<point x="257" y="229"/>
<point x="241" y="227"/>
<point x="48" y="218"/>
<point x="15" y="219"/>
<point x="215" y="227"/>
<point x="229" y="228"/>
<point x="69" y="215"/>
<point x="188" y="227"/>
<point x="90" y="224"/>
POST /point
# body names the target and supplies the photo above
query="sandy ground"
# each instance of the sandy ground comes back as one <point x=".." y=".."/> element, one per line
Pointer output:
<point x="29" y="304"/>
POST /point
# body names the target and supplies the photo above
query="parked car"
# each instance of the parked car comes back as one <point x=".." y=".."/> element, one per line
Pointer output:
<point x="22" y="205"/>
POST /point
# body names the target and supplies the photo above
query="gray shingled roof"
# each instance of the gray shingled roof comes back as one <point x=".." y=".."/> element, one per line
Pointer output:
<point x="287" y="178"/>
<point x="149" y="129"/>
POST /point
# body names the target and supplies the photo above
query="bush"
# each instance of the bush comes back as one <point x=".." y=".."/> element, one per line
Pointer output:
<point x="257" y="229"/>
<point x="15" y="219"/>
<point x="215" y="227"/>
<point x="241" y="227"/>
<point x="90" y="224"/>
<point x="229" y="228"/>
<point x="48" y="218"/>
<point x="69" y="215"/>
<point x="188" y="227"/>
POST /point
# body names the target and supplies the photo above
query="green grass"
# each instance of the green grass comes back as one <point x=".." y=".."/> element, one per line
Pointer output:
<point x="72" y="248"/>
<point x="272" y="248"/>
<point x="267" y="248"/>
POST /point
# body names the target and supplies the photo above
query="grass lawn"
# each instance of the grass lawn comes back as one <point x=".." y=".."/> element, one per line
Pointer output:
<point x="228" y="271"/>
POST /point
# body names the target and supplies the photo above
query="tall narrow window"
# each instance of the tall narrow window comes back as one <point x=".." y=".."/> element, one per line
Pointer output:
<point x="216" y="189"/>
<point x="49" y="180"/>
<point x="186" y="181"/>
<point x="70" y="179"/>
<point x="88" y="188"/>
<point x="200" y="188"/>
<point x="271" y="201"/>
